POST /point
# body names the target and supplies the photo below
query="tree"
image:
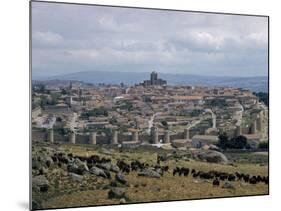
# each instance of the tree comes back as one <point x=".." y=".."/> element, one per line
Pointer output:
<point x="40" y="88"/>
<point x="127" y="106"/>
<point x="239" y="142"/>
<point x="223" y="141"/>
<point x="59" y="119"/>
<point x="95" y="112"/>
<point x="164" y="123"/>
<point x="54" y="98"/>
<point x="263" y="145"/>
<point x="43" y="101"/>
<point x="217" y="103"/>
<point x="63" y="92"/>
<point x="195" y="112"/>
<point x="263" y="96"/>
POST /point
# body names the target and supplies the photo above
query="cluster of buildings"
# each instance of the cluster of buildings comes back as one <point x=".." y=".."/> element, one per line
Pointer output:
<point x="151" y="112"/>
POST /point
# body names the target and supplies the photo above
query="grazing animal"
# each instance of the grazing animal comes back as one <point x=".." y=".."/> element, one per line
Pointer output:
<point x="196" y="174"/>
<point x="246" y="177"/>
<point x="223" y="176"/>
<point x="259" y="178"/>
<point x="185" y="171"/>
<point x="253" y="180"/>
<point x="231" y="177"/>
<point x="266" y="180"/>
<point x="124" y="167"/>
<point x="180" y="171"/>
<point x="216" y="182"/>
<point x="206" y="175"/>
<point x="176" y="170"/>
<point x="166" y="168"/>
<point x="193" y="171"/>
<point x="135" y="165"/>
<point x="239" y="176"/>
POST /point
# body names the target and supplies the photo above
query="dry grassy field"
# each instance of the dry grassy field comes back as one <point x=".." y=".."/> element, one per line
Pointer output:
<point x="93" y="190"/>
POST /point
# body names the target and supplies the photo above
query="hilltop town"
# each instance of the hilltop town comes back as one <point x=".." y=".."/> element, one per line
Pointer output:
<point x="112" y="144"/>
<point x="149" y="113"/>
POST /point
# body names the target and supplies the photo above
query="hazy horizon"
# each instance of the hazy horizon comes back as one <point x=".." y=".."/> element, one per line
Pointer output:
<point x="36" y="77"/>
<point x="70" y="38"/>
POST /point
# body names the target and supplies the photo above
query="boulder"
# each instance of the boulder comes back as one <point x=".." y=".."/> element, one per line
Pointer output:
<point x="76" y="177"/>
<point x="212" y="156"/>
<point x="214" y="147"/>
<point x="40" y="183"/>
<point x="71" y="167"/>
<point x="47" y="160"/>
<point x="166" y="147"/>
<point x="77" y="167"/>
<point x="122" y="201"/>
<point x="114" y="168"/>
<point x="117" y="193"/>
<point x="120" y="178"/>
<point x="98" y="172"/>
<point x="106" y="166"/>
<point x="228" y="185"/>
<point x="81" y="165"/>
<point x="159" y="171"/>
<point x="179" y="143"/>
<point x="36" y="164"/>
<point x="149" y="173"/>
<point x="35" y="205"/>
<point x="109" y="167"/>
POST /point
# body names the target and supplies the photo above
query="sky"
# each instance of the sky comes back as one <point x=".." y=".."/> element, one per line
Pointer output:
<point x="69" y="38"/>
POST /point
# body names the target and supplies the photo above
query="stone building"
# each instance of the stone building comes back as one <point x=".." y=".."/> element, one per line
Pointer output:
<point x="154" y="80"/>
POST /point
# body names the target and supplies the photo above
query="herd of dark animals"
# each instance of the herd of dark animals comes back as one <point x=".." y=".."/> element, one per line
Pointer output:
<point x="218" y="176"/>
<point x="136" y="165"/>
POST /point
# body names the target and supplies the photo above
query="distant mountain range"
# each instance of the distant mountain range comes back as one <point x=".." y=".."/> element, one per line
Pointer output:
<point x="256" y="84"/>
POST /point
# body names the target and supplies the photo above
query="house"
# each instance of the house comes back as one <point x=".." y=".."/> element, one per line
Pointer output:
<point x="199" y="141"/>
<point x="190" y="100"/>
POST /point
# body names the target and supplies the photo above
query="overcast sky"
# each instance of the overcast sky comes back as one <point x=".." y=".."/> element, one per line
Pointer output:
<point x="73" y="38"/>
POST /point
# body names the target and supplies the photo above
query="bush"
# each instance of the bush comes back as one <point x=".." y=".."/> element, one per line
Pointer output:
<point x="95" y="112"/>
<point x="239" y="142"/>
<point x="217" y="103"/>
<point x="195" y="112"/>
<point x="127" y="106"/>
<point x="263" y="145"/>
<point x="223" y="140"/>
<point x="164" y="123"/>
<point x="263" y="96"/>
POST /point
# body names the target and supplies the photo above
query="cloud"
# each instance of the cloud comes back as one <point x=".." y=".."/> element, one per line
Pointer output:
<point x="72" y="38"/>
<point x="46" y="38"/>
<point x="260" y="39"/>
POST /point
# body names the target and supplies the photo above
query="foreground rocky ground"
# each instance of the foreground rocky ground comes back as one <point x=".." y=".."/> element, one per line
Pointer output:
<point x="76" y="175"/>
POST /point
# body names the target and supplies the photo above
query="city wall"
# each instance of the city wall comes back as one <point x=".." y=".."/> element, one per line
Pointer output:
<point x="114" y="138"/>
